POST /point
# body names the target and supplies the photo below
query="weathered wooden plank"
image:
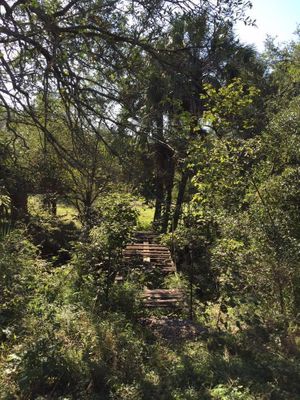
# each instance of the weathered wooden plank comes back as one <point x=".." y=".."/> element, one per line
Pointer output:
<point x="157" y="258"/>
<point x="163" y="295"/>
<point x="163" y="291"/>
<point x="164" y="254"/>
<point x="149" y="253"/>
<point x="165" y="302"/>
<point x="150" y="245"/>
<point x="141" y="252"/>
<point x="177" y="296"/>
<point x="137" y="252"/>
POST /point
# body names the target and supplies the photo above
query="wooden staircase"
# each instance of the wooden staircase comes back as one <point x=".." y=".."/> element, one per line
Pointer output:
<point x="156" y="258"/>
<point x="151" y="255"/>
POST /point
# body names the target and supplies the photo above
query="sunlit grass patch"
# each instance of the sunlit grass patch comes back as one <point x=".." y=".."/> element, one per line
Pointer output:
<point x="146" y="214"/>
<point x="65" y="212"/>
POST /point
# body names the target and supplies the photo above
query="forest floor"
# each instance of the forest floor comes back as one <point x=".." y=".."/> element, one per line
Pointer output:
<point x="173" y="329"/>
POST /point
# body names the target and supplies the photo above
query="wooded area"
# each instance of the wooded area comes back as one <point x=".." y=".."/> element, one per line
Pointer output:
<point x="149" y="203"/>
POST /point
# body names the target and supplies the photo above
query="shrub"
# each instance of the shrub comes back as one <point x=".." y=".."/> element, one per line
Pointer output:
<point x="54" y="237"/>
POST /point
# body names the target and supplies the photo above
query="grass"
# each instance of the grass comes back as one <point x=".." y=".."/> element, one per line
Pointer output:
<point x="68" y="213"/>
<point x="65" y="212"/>
<point x="145" y="218"/>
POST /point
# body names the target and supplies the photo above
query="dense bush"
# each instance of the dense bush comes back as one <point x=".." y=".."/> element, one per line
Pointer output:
<point x="98" y="257"/>
<point x="54" y="237"/>
<point x="20" y="272"/>
<point x="57" y="344"/>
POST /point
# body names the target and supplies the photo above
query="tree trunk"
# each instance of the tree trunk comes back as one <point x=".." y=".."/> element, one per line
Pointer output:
<point x="46" y="202"/>
<point x="159" y="161"/>
<point x="180" y="197"/>
<point x="87" y="215"/>
<point x="54" y="206"/>
<point x="159" y="193"/>
<point x="170" y="167"/>
<point x="19" y="205"/>
<point x="50" y="203"/>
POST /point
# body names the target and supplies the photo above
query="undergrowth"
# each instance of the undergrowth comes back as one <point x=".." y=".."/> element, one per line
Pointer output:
<point x="61" y="338"/>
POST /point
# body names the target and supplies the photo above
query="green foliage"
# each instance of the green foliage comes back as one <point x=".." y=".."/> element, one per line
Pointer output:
<point x="54" y="237"/>
<point x="5" y="223"/>
<point x="145" y="218"/>
<point x="223" y="171"/>
<point x="224" y="392"/>
<point x="20" y="270"/>
<point x="117" y="220"/>
<point x="125" y="298"/>
<point x="49" y="345"/>
<point x="4" y="202"/>
<point x="52" y="343"/>
<point x="229" y="107"/>
<point x="71" y="354"/>
<point x="72" y="321"/>
<point x="98" y="258"/>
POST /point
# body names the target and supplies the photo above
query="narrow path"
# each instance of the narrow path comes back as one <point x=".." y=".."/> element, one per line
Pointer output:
<point x="157" y="258"/>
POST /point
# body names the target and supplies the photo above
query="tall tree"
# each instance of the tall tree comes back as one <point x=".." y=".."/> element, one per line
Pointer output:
<point x="167" y="103"/>
<point x="78" y="51"/>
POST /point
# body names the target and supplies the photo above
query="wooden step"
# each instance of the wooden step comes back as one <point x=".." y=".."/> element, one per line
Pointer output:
<point x="152" y="266"/>
<point x="143" y="245"/>
<point x="153" y="258"/>
<point x="130" y="252"/>
<point x="150" y="255"/>
<point x="142" y="236"/>
<point x="162" y="292"/>
<point x="163" y="297"/>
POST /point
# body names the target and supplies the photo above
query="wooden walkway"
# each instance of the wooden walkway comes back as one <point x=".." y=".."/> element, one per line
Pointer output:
<point x="158" y="258"/>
